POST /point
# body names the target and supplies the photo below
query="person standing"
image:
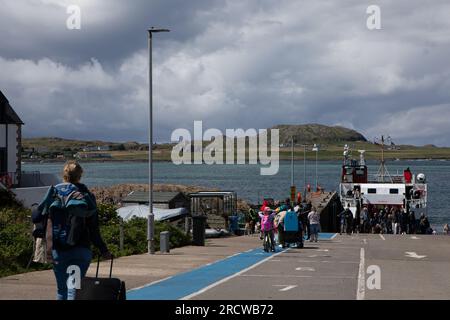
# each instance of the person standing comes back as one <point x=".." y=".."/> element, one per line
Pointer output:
<point x="342" y="220"/>
<point x="446" y="229"/>
<point x="71" y="234"/>
<point x="307" y="210"/>
<point x="364" y="219"/>
<point x="349" y="220"/>
<point x="253" y="219"/>
<point x="397" y="220"/>
<point x="314" y="222"/>
<point x="412" y="223"/>
<point x="403" y="221"/>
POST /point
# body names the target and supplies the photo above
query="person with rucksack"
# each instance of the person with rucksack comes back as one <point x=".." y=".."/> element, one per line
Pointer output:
<point x="68" y="219"/>
<point x="267" y="226"/>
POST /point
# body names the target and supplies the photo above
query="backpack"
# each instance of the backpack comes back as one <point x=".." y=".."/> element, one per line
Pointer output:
<point x="266" y="223"/>
<point x="290" y="221"/>
<point x="69" y="210"/>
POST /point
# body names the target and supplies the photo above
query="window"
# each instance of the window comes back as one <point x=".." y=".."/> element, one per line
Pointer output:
<point x="372" y="190"/>
<point x="393" y="191"/>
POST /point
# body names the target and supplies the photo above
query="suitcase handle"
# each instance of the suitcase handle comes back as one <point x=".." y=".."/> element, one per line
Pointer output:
<point x="110" y="268"/>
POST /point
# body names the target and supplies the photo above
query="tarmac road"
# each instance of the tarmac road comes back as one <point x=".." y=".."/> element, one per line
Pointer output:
<point x="363" y="266"/>
<point x="347" y="267"/>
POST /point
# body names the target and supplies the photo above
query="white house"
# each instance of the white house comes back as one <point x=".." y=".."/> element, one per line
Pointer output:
<point x="10" y="144"/>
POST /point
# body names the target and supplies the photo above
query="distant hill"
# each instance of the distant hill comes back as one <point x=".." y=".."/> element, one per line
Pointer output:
<point x="60" y="144"/>
<point x="317" y="133"/>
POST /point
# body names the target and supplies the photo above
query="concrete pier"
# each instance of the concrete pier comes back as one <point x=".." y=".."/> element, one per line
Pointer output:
<point x="328" y="205"/>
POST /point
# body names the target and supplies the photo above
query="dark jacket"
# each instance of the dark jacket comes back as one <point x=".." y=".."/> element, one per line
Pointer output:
<point x="90" y="234"/>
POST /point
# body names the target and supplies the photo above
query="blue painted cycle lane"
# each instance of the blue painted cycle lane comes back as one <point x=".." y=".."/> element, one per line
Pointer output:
<point x="184" y="284"/>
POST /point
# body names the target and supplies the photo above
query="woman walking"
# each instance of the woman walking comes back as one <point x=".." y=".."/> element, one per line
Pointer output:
<point x="70" y="210"/>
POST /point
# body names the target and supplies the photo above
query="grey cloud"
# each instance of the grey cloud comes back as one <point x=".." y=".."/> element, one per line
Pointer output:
<point x="247" y="64"/>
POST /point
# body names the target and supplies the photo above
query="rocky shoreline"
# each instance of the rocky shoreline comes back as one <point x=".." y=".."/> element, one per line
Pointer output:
<point x="115" y="193"/>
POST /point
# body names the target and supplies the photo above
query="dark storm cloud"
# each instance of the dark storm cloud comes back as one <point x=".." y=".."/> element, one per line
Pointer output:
<point x="110" y="30"/>
<point x="248" y="64"/>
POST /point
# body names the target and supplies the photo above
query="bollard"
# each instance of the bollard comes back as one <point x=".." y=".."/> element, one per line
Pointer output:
<point x="198" y="230"/>
<point x="164" y="242"/>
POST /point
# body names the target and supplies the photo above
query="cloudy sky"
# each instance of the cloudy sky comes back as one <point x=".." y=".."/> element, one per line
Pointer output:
<point x="232" y="64"/>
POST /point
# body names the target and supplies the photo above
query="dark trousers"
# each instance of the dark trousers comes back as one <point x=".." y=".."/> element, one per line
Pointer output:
<point x="308" y="231"/>
<point x="281" y="235"/>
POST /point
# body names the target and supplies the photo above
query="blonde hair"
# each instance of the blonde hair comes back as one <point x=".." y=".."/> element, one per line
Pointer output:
<point x="72" y="172"/>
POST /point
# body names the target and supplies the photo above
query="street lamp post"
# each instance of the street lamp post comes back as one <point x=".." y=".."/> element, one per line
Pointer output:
<point x="151" y="217"/>
<point x="304" y="171"/>
<point x="292" y="171"/>
<point x="316" y="149"/>
<point x="292" y="161"/>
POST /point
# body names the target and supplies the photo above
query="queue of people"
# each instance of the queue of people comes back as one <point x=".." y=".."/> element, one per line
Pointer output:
<point x="387" y="220"/>
<point x="271" y="218"/>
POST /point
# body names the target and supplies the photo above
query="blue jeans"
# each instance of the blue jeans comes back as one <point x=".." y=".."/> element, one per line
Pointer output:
<point x="79" y="256"/>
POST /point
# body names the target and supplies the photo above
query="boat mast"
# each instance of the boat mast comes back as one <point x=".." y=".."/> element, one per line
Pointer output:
<point x="382" y="158"/>
<point x="382" y="171"/>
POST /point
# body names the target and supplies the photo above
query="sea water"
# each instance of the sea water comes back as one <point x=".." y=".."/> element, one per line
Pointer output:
<point x="250" y="185"/>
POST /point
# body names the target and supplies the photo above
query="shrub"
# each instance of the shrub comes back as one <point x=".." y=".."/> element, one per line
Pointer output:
<point x="135" y="233"/>
<point x="8" y="199"/>
<point x="16" y="241"/>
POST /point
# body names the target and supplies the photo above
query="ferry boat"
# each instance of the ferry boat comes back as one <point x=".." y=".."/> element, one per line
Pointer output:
<point x="358" y="188"/>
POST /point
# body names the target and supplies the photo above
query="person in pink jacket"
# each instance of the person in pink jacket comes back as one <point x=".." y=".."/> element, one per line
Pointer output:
<point x="267" y="225"/>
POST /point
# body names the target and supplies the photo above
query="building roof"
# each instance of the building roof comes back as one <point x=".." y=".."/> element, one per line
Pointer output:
<point x="158" y="197"/>
<point x="7" y="113"/>
<point x="212" y="194"/>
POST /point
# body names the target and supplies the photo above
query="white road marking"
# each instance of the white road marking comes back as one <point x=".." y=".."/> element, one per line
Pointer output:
<point x="313" y="256"/>
<point x="296" y="276"/>
<point x="324" y="250"/>
<point x="415" y="238"/>
<point x="305" y="269"/>
<point x="274" y="276"/>
<point x="286" y="287"/>
<point x="365" y="241"/>
<point x="381" y="236"/>
<point x="361" y="289"/>
<point x="149" y="284"/>
<point x="414" y="255"/>
<point x="215" y="284"/>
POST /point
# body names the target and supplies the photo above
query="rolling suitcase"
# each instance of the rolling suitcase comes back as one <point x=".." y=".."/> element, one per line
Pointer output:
<point x="95" y="288"/>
